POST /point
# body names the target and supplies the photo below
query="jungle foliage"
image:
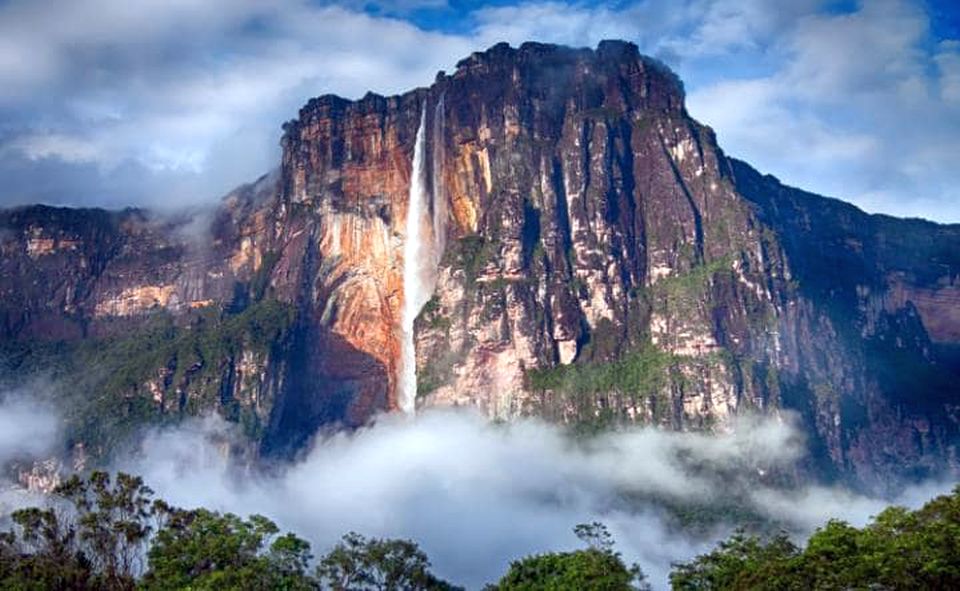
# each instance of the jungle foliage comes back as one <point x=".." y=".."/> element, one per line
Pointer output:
<point x="112" y="533"/>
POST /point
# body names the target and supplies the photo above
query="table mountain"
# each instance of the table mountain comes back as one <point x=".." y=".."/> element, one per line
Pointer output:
<point x="545" y="231"/>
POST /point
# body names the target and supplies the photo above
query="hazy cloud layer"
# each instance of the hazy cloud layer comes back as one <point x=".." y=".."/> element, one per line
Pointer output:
<point x="477" y="495"/>
<point x="171" y="102"/>
<point x="27" y="428"/>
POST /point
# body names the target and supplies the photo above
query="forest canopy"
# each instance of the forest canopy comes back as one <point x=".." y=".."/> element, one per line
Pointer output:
<point x="112" y="533"/>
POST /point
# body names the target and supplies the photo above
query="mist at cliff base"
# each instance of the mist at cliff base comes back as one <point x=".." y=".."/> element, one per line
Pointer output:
<point x="477" y="495"/>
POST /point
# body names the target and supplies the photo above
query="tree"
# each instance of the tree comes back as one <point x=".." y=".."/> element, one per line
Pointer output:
<point x="595" y="535"/>
<point x="596" y="568"/>
<point x="201" y="549"/>
<point x="99" y="531"/>
<point x="115" y="519"/>
<point x="741" y="562"/>
<point x="41" y="552"/>
<point x="899" y="549"/>
<point x="93" y="537"/>
<point x="360" y="564"/>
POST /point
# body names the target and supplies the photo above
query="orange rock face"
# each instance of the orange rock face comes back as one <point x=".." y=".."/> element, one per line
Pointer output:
<point x="351" y="164"/>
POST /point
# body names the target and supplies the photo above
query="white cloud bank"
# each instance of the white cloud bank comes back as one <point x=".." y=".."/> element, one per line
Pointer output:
<point x="170" y="102"/>
<point x="477" y="495"/>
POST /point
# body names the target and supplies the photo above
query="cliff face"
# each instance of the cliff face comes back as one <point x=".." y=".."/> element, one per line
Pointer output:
<point x="593" y="258"/>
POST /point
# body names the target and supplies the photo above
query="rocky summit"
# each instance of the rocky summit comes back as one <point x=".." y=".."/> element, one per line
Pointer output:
<point x="585" y="251"/>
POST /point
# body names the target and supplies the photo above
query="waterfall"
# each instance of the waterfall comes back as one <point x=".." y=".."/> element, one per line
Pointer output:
<point x="415" y="294"/>
<point x="426" y="230"/>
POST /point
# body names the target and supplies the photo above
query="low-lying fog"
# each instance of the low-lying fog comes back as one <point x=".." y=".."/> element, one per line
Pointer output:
<point x="477" y="495"/>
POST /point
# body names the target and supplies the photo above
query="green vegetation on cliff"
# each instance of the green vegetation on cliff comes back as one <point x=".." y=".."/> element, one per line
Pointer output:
<point x="640" y="377"/>
<point x="471" y="253"/>
<point x="639" y="372"/>
<point x="159" y="372"/>
<point x="686" y="288"/>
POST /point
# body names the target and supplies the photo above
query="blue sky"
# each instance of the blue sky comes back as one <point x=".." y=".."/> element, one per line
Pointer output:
<point x="169" y="102"/>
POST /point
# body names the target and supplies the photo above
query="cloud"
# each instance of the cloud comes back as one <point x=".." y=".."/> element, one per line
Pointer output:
<point x="861" y="103"/>
<point x="477" y="495"/>
<point x="53" y="145"/>
<point x="554" y="22"/>
<point x="948" y="62"/>
<point x="28" y="428"/>
<point x="191" y="92"/>
<point x="812" y="506"/>
<point x="727" y="26"/>
<point x="859" y="108"/>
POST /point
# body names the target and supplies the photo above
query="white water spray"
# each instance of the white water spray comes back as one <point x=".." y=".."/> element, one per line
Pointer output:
<point x="415" y="294"/>
<point x="426" y="229"/>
